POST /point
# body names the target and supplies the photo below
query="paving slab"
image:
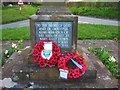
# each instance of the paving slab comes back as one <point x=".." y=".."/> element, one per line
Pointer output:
<point x="17" y="24"/>
<point x="93" y="20"/>
<point x="111" y="45"/>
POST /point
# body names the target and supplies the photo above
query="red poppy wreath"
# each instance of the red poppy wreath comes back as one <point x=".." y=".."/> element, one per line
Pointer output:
<point x="46" y="53"/>
<point x="78" y="60"/>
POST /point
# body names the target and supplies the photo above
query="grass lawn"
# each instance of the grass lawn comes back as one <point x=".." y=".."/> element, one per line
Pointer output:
<point x="15" y="33"/>
<point x="102" y="12"/>
<point x="85" y="31"/>
<point x="12" y="14"/>
<point x="92" y="31"/>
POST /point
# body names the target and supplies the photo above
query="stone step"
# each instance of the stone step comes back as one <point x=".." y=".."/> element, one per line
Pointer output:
<point x="47" y="74"/>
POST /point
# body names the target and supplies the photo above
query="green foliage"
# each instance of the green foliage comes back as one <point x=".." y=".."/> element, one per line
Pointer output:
<point x="16" y="33"/>
<point x="12" y="14"/>
<point x="109" y="51"/>
<point x="103" y="12"/>
<point x="6" y="53"/>
<point x="107" y="60"/>
<point x="92" y="31"/>
<point x="91" y="49"/>
<point x="92" y="4"/>
<point x="36" y="4"/>
<point x="95" y="9"/>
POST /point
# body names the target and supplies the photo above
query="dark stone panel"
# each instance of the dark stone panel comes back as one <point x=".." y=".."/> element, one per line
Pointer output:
<point x="57" y="18"/>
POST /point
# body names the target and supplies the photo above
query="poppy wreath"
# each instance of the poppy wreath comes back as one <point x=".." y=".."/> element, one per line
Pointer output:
<point x="42" y="62"/>
<point x="76" y="72"/>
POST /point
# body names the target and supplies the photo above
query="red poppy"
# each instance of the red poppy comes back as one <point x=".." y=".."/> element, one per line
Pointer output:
<point x="44" y="62"/>
<point x="76" y="72"/>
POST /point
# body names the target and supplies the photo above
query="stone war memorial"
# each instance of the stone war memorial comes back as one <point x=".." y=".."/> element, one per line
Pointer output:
<point x="54" y="59"/>
<point x="53" y="21"/>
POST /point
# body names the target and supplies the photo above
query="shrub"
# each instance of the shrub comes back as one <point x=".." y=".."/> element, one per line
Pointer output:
<point x="108" y="60"/>
<point x="6" y="53"/>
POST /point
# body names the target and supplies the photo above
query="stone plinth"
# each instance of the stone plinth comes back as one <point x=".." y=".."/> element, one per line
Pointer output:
<point x="20" y="71"/>
<point x="22" y="68"/>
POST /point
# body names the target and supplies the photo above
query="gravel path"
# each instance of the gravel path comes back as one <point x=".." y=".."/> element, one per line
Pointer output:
<point x="91" y="20"/>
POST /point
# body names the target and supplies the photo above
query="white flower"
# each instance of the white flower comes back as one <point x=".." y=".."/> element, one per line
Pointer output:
<point x="6" y="51"/>
<point x="7" y="55"/>
<point x="112" y="59"/>
<point x="14" y="45"/>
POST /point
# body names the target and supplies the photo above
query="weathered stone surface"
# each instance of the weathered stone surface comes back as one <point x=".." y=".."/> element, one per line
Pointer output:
<point x="16" y="62"/>
<point x="24" y="73"/>
<point x="53" y="8"/>
<point x="7" y="83"/>
<point x="21" y="70"/>
<point x="56" y="10"/>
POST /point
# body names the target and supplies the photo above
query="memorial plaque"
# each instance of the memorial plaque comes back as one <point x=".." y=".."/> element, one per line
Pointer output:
<point x="62" y="29"/>
<point x="60" y="32"/>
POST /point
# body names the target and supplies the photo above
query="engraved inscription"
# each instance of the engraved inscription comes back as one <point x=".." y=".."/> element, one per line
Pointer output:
<point x="60" y="32"/>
